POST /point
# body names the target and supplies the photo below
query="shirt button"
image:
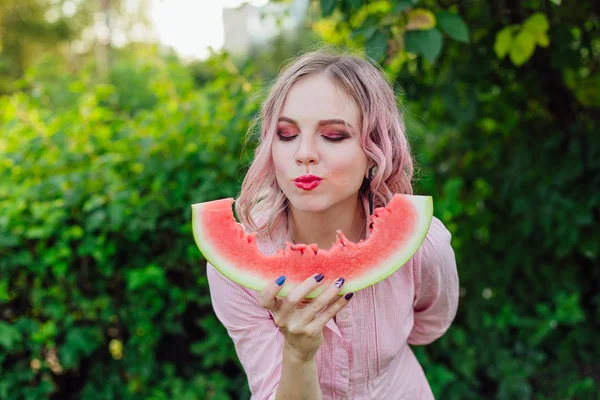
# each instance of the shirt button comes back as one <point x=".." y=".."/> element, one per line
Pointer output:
<point x="344" y="374"/>
<point x="344" y="315"/>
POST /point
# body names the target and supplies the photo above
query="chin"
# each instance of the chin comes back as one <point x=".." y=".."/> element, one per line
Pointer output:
<point x="305" y="204"/>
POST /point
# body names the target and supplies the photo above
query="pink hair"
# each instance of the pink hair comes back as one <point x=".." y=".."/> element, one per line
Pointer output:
<point x="261" y="206"/>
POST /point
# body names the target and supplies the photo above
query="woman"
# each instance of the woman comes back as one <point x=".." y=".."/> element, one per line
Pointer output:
<point x="331" y="141"/>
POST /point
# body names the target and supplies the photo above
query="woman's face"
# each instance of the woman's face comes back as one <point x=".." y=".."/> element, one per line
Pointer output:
<point x="318" y="134"/>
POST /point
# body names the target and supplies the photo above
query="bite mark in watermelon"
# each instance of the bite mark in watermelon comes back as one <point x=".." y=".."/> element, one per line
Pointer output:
<point x="397" y="231"/>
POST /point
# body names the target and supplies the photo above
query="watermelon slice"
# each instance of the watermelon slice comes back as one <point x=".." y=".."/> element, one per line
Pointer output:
<point x="396" y="233"/>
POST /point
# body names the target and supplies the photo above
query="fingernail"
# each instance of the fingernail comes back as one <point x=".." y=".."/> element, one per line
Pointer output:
<point x="319" y="277"/>
<point x="349" y="296"/>
<point x="339" y="283"/>
<point x="280" y="280"/>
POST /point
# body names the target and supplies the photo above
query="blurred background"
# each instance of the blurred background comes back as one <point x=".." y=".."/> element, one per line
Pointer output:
<point x="117" y="115"/>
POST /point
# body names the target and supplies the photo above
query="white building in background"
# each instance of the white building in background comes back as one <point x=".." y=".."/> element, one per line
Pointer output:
<point x="248" y="26"/>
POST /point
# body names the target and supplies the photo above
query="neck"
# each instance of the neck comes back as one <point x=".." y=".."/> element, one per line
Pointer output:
<point x="320" y="227"/>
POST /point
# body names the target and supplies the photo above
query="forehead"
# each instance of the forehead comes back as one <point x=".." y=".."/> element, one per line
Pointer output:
<point x="317" y="97"/>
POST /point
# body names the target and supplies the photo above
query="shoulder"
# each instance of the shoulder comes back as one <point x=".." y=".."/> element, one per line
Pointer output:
<point x="438" y="235"/>
<point x="436" y="255"/>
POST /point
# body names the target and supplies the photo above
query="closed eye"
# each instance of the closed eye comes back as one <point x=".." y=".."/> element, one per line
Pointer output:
<point x="335" y="139"/>
<point x="285" y="138"/>
<point x="328" y="138"/>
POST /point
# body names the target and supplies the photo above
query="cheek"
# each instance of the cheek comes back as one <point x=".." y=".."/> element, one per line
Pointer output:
<point x="347" y="170"/>
<point x="281" y="164"/>
<point x="278" y="157"/>
<point x="349" y="178"/>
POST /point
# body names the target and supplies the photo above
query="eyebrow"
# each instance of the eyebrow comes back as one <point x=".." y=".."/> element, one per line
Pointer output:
<point x="323" y="122"/>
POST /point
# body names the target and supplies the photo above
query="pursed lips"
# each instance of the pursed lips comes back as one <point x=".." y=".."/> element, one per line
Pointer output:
<point x="307" y="178"/>
<point x="307" y="182"/>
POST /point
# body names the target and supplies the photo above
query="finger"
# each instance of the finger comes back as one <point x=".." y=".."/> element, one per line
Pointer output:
<point x="291" y="301"/>
<point x="267" y="297"/>
<point x="325" y="299"/>
<point x="320" y="320"/>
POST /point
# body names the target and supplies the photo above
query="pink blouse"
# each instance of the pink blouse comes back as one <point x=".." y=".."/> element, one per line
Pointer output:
<point x="365" y="352"/>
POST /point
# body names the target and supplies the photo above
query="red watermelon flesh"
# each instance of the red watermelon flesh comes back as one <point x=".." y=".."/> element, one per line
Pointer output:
<point x="397" y="231"/>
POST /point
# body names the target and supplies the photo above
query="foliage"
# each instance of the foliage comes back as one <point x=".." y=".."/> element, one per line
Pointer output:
<point x="519" y="40"/>
<point x="384" y="27"/>
<point x="103" y="292"/>
<point x="81" y="186"/>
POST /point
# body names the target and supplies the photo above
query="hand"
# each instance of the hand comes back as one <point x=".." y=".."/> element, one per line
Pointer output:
<point x="302" y="323"/>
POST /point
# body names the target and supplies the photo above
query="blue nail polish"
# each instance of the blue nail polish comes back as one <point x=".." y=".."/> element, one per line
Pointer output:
<point x="349" y="296"/>
<point x="339" y="283"/>
<point x="280" y="280"/>
<point x="319" y="277"/>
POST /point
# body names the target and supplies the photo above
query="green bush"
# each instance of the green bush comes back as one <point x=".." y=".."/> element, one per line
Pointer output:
<point x="102" y="290"/>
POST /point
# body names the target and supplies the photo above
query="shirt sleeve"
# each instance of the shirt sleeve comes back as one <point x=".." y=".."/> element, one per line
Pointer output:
<point x="436" y="286"/>
<point x="257" y="340"/>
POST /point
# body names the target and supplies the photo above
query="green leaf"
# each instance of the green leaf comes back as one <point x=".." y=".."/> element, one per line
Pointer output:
<point x="542" y="39"/>
<point x="3" y="290"/>
<point x="402" y="5"/>
<point x="152" y="274"/>
<point x="504" y="40"/>
<point x="79" y="341"/>
<point x="354" y="4"/>
<point x="367" y="29"/>
<point x="9" y="335"/>
<point x="327" y="7"/>
<point x="369" y="32"/>
<point x="537" y="23"/>
<point x="8" y="240"/>
<point x="376" y="46"/>
<point x="522" y="47"/>
<point x="420" y="19"/>
<point x="453" y="25"/>
<point x="587" y="91"/>
<point x="46" y="332"/>
<point x="427" y="43"/>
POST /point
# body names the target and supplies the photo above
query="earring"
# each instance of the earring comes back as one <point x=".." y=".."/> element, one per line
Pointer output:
<point x="369" y="179"/>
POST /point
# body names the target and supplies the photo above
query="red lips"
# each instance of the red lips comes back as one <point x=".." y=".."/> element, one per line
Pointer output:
<point x="307" y="182"/>
<point x="307" y="178"/>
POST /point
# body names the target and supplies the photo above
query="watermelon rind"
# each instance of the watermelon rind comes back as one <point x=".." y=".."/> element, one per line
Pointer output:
<point x="215" y="258"/>
<point x="396" y="260"/>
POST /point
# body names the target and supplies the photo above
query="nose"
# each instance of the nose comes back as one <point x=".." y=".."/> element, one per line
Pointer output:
<point x="307" y="153"/>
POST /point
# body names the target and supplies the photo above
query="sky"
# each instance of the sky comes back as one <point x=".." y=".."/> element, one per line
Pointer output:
<point x="191" y="26"/>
